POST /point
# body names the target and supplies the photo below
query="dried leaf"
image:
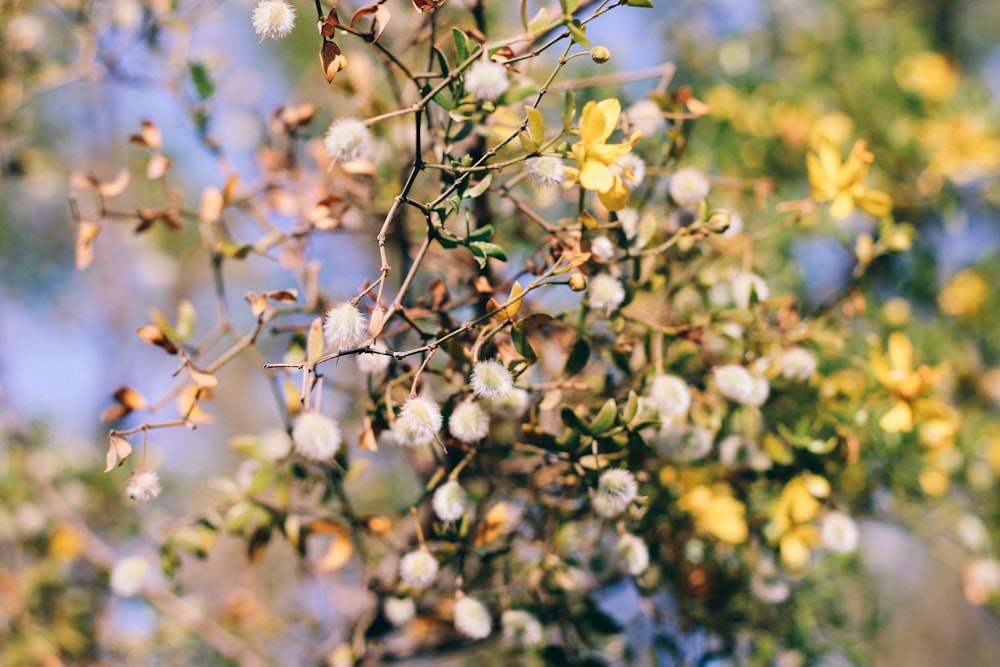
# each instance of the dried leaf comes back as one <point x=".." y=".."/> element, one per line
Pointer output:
<point x="154" y="336"/>
<point x="697" y="107"/>
<point x="314" y="341"/>
<point x="86" y="234"/>
<point x="150" y="135"/>
<point x="113" y="413"/>
<point x="341" y="547"/>
<point x="118" y="451"/>
<point x="380" y="18"/>
<point x="115" y="187"/>
<point x="368" y="440"/>
<point x="130" y="398"/>
<point x="439" y="293"/>
<point x="187" y="404"/>
<point x="258" y="303"/>
<point x="332" y="59"/>
<point x="283" y="295"/>
<point x="231" y="183"/>
<point x="376" y="322"/>
<point x="493" y="524"/>
<point x="509" y="311"/>
<point x="427" y="5"/>
<point x="212" y="204"/>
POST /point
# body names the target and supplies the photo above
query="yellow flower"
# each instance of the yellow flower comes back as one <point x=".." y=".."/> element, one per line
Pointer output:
<point x="904" y="383"/>
<point x="962" y="148"/>
<point x="843" y="184"/>
<point x="717" y="514"/>
<point x="792" y="515"/>
<point x="595" y="156"/>
<point x="929" y="75"/>
<point x="964" y="294"/>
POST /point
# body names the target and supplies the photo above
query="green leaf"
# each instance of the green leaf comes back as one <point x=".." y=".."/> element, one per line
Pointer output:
<point x="640" y="3"/>
<point x="461" y="45"/>
<point x="486" y="249"/>
<point x="447" y="239"/>
<point x="522" y="345"/>
<point x="631" y="408"/>
<point x="203" y="84"/>
<point x="536" y="125"/>
<point x="479" y="188"/>
<point x="534" y="321"/>
<point x="572" y="420"/>
<point x="484" y="233"/>
<point x="578" y="358"/>
<point x="605" y="418"/>
<point x="578" y="32"/>
<point x="569" y="109"/>
<point x="234" y="251"/>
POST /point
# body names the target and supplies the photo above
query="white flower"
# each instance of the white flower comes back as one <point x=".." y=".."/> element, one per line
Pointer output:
<point x="491" y="379"/>
<point x="740" y="385"/>
<point x="688" y="186"/>
<point x="981" y="580"/>
<point x="316" y="436"/>
<point x="143" y="485"/>
<point x="348" y="139"/>
<point x="630" y="163"/>
<point x="670" y="396"/>
<point x="468" y="422"/>
<point x="735" y="227"/>
<point x="745" y="283"/>
<point x="472" y="618"/>
<point x="399" y="611"/>
<point x="634" y="554"/>
<point x="486" y="80"/>
<point x="616" y="488"/>
<point x="839" y="533"/>
<point x="768" y="584"/>
<point x="345" y="327"/>
<point x="128" y="576"/>
<point x="972" y="533"/>
<point x="372" y="363"/>
<point x="449" y="501"/>
<point x="545" y="171"/>
<point x="605" y="293"/>
<point x="797" y="363"/>
<point x="602" y="249"/>
<point x="686" y="443"/>
<point x="647" y="117"/>
<point x="521" y="628"/>
<point x="419" y="421"/>
<point x="418" y="568"/>
<point x="273" y="18"/>
<point x="514" y="405"/>
<point x="24" y="32"/>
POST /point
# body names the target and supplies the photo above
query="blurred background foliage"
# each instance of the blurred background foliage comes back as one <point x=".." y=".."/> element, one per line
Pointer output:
<point x="918" y="81"/>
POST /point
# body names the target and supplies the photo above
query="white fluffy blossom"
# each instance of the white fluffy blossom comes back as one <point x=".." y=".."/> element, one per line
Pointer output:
<point x="143" y="485"/>
<point x="472" y="618"/>
<point x="469" y="422"/>
<point x="418" y="568"/>
<point x="449" y="501"/>
<point x="633" y="169"/>
<point x="688" y="186"/>
<point x="486" y="80"/>
<point x="634" y="554"/>
<point x="514" y="405"/>
<point x="128" y="576"/>
<point x="768" y="583"/>
<point x="521" y="628"/>
<point x="419" y="421"/>
<point x="745" y="284"/>
<point x="605" y="293"/>
<point x="399" y="611"/>
<point x="545" y="171"/>
<point x="603" y="249"/>
<point x="647" y="117"/>
<point x="348" y="139"/>
<point x="839" y="532"/>
<point x="740" y="385"/>
<point x="372" y="363"/>
<point x="670" y="396"/>
<point x="273" y="18"/>
<point x="491" y="379"/>
<point x="616" y="488"/>
<point x="797" y="363"/>
<point x="316" y="436"/>
<point x="345" y="327"/>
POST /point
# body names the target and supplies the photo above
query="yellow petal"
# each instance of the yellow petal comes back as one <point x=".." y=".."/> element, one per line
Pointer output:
<point x="794" y="552"/>
<point x="598" y="120"/>
<point x="616" y="198"/>
<point x="874" y="202"/>
<point x="596" y="176"/>
<point x="900" y="352"/>
<point x="899" y="418"/>
<point x="842" y="205"/>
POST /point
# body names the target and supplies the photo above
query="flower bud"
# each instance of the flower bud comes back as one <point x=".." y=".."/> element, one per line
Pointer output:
<point x="577" y="282"/>
<point x="600" y="55"/>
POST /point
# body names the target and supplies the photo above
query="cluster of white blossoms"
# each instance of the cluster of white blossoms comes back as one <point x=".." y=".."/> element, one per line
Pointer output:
<point x="469" y="422"/>
<point x="418" y="422"/>
<point x="616" y="489"/>
<point x="449" y="501"/>
<point x="399" y="611"/>
<point x="603" y="249"/>
<point x="688" y="186"/>
<point x="670" y="396"/>
<point x="545" y="171"/>
<point x="738" y="384"/>
<point x="839" y="532"/>
<point x="521" y="628"/>
<point x="797" y="363"/>
<point x="143" y="485"/>
<point x="345" y="328"/>
<point x="647" y="117"/>
<point x="472" y="618"/>
<point x="418" y="569"/>
<point x="348" y="139"/>
<point x="491" y="380"/>
<point x="746" y="284"/>
<point x="486" y="80"/>
<point x="634" y="554"/>
<point x="316" y="436"/>
<point x="605" y="293"/>
<point x="273" y="18"/>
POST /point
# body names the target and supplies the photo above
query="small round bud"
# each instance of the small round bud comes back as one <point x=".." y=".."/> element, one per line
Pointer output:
<point x="468" y="422"/>
<point x="143" y="485"/>
<point x="316" y="436"/>
<point x="600" y="55"/>
<point x="449" y="501"/>
<point x="419" y="422"/>
<point x="491" y="379"/>
<point x="577" y="282"/>
<point x="399" y="611"/>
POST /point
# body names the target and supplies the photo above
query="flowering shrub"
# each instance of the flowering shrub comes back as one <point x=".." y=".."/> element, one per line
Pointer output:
<point x="552" y="360"/>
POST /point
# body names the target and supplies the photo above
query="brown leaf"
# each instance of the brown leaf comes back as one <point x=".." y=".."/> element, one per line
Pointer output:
<point x="368" y="440"/>
<point x="332" y="59"/>
<point x="258" y="303"/>
<point x="379" y="525"/>
<point x="380" y="18"/>
<point x="439" y="293"/>
<point x="427" y="5"/>
<point x="283" y="295"/>
<point x="341" y="547"/>
<point x="115" y="187"/>
<point x="150" y="135"/>
<point x="113" y="413"/>
<point x="130" y="398"/>
<point x="510" y="309"/>
<point x="493" y="524"/>
<point x="230" y="188"/>
<point x="330" y="23"/>
<point x="118" y="451"/>
<point x="86" y="234"/>
<point x="154" y="336"/>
